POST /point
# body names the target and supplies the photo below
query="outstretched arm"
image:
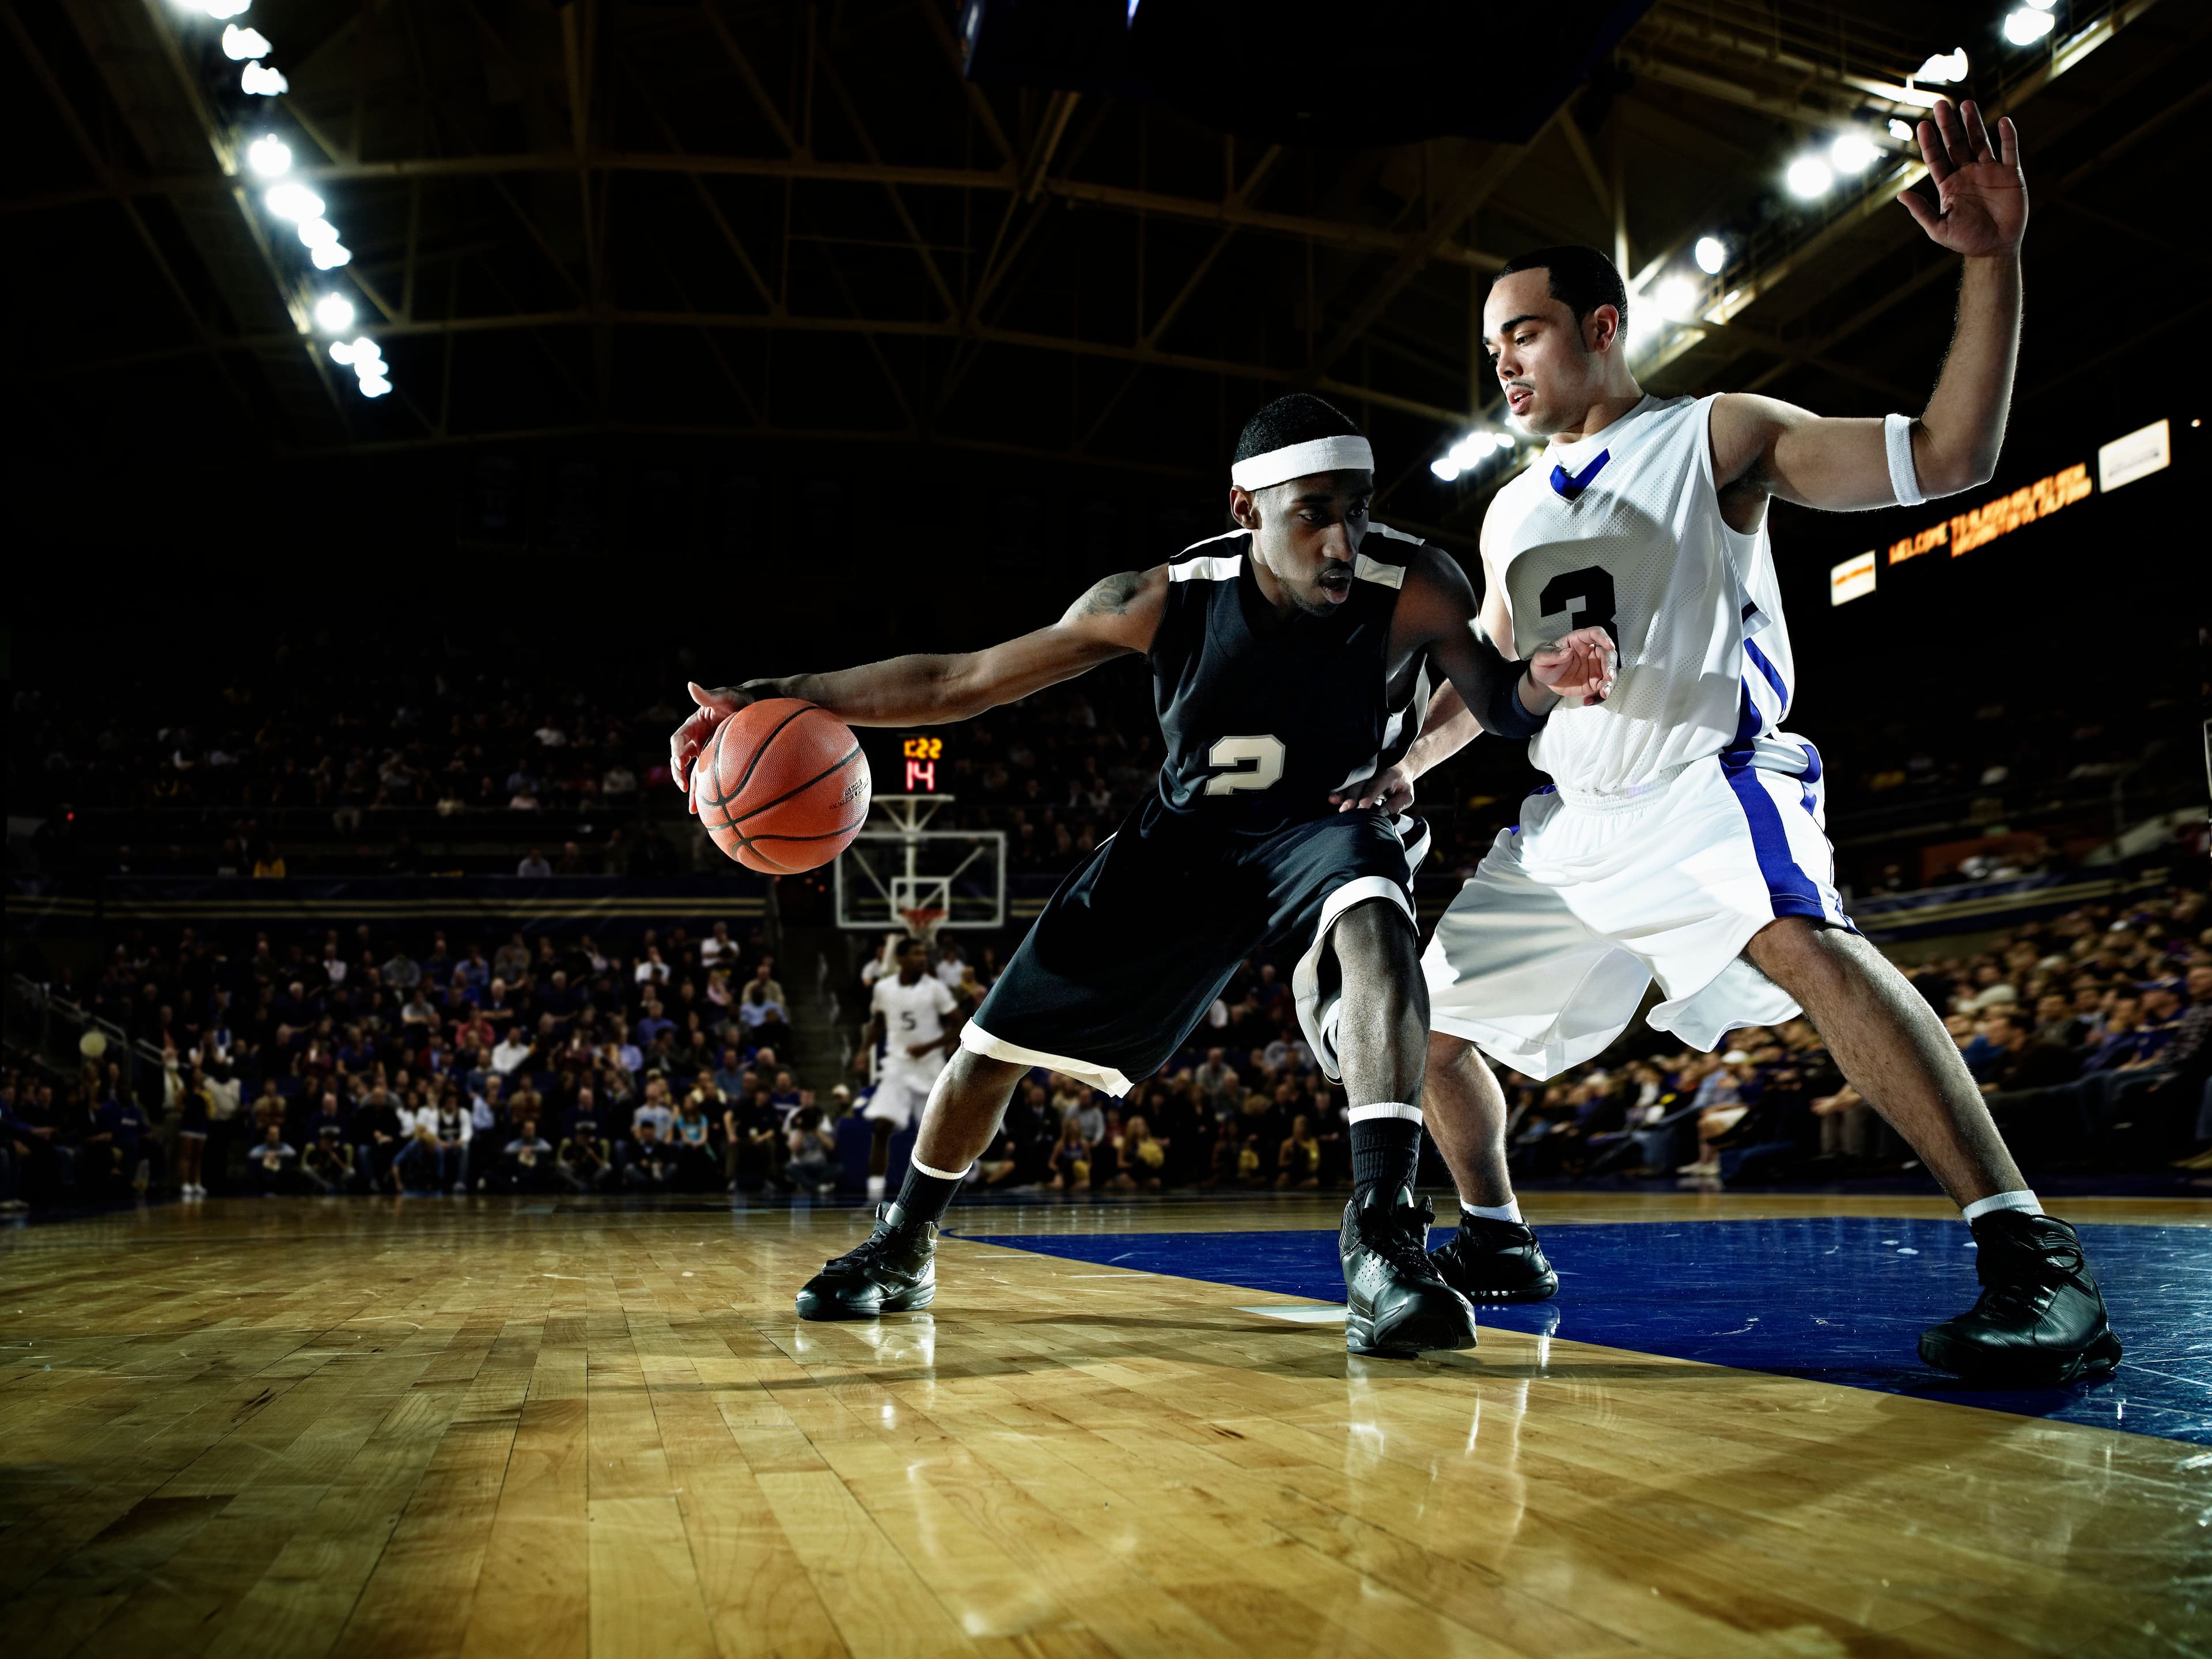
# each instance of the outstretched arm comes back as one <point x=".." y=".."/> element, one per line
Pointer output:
<point x="1117" y="617"/>
<point x="1774" y="449"/>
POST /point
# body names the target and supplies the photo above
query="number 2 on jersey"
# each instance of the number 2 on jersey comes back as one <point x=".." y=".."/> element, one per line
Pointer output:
<point x="1586" y="596"/>
<point x="1264" y="754"/>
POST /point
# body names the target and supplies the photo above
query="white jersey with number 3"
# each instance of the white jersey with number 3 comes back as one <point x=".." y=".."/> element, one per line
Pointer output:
<point x="1623" y="530"/>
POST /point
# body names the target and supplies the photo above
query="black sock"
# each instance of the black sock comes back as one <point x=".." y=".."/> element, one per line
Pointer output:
<point x="1385" y="1152"/>
<point x="925" y="1196"/>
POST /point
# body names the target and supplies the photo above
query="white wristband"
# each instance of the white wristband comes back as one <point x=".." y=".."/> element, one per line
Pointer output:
<point x="1897" y="438"/>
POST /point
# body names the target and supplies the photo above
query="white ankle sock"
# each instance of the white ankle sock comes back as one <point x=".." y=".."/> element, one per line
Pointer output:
<point x="2022" y="1200"/>
<point x="1508" y="1211"/>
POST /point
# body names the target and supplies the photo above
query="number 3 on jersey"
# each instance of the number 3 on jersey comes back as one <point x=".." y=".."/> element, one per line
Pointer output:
<point x="1264" y="755"/>
<point x="1586" y="596"/>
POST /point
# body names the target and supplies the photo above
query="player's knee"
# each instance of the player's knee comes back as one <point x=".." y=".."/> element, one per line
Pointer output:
<point x="1448" y="1053"/>
<point x="1375" y="939"/>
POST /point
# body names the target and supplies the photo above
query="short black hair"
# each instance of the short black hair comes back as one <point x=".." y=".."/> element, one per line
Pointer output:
<point x="1296" y="417"/>
<point x="1583" y="279"/>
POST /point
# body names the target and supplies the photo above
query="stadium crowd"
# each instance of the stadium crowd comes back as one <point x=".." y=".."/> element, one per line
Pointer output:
<point x="354" y="1065"/>
<point x="430" y="745"/>
<point x="558" y="1067"/>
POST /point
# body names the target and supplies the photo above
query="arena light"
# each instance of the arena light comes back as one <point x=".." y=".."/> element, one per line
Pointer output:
<point x="367" y="353"/>
<point x="1676" y="297"/>
<point x="294" y="201"/>
<point x="1502" y="440"/>
<point x="1943" y="70"/>
<point x="2027" y="26"/>
<point x="334" y="312"/>
<point x="217" y="9"/>
<point x="239" y="44"/>
<point x="270" y="157"/>
<point x="1712" y="254"/>
<point x="375" y="385"/>
<point x="315" y="231"/>
<point x="1810" y="177"/>
<point x="263" y="81"/>
<point x="330" y="256"/>
<point x="1900" y="130"/>
<point x="1445" y="468"/>
<point x="1853" y="152"/>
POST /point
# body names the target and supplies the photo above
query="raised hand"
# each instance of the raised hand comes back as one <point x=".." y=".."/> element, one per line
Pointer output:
<point x="1580" y="665"/>
<point x="689" y="741"/>
<point x="1981" y="194"/>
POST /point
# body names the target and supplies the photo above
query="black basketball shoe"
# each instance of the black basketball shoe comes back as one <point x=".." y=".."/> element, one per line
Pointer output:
<point x="1394" y="1303"/>
<point x="2040" y="1320"/>
<point x="1492" y="1260"/>
<point x="893" y="1270"/>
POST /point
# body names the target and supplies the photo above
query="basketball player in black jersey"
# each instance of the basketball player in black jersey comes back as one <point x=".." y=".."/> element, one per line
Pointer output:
<point x="1290" y="659"/>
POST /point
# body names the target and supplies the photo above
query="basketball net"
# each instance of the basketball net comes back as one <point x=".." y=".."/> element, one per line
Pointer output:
<point x="923" y="922"/>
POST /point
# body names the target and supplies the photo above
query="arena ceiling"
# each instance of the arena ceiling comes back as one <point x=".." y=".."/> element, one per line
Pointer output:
<point x="730" y="220"/>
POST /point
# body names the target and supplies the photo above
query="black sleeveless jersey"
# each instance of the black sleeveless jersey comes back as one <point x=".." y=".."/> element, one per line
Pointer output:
<point x="1265" y="714"/>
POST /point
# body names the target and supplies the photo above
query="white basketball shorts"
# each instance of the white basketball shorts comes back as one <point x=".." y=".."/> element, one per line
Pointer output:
<point x="1546" y="952"/>
<point x="903" y="1088"/>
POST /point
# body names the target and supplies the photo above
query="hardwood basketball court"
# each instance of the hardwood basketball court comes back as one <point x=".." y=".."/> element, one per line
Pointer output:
<point x="484" y="1427"/>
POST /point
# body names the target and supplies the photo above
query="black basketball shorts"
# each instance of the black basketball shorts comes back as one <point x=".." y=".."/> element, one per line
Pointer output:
<point x="1138" y="942"/>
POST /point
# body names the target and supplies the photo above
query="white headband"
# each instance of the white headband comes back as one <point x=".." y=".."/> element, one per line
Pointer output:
<point x="1346" y="454"/>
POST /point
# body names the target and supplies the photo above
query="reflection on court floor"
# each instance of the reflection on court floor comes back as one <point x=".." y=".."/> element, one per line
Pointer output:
<point x="1829" y="1299"/>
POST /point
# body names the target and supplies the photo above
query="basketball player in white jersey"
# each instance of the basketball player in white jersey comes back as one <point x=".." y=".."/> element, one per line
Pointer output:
<point x="1685" y="838"/>
<point x="916" y="1016"/>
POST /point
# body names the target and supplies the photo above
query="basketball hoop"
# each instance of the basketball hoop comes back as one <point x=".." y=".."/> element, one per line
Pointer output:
<point x="922" y="923"/>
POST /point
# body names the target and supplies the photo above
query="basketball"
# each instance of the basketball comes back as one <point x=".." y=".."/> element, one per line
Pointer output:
<point x="782" y="786"/>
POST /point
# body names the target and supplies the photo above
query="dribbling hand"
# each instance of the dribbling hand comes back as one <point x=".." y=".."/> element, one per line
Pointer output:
<point x="1981" y="195"/>
<point x="1580" y="665"/>
<point x="689" y="740"/>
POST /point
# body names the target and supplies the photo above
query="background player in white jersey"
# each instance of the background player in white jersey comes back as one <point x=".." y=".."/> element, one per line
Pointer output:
<point x="916" y="1015"/>
<point x="1685" y="839"/>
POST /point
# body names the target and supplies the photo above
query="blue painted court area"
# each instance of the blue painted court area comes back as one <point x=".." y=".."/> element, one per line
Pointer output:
<point x="1836" y="1299"/>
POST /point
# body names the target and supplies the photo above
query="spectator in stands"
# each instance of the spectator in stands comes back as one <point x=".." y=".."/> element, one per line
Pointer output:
<point x="274" y="1162"/>
<point x="526" y="1164"/>
<point x="401" y="972"/>
<point x="2024" y="1060"/>
<point x="695" y="1163"/>
<point x="533" y="865"/>
<point x="763" y="1016"/>
<point x="582" y="1165"/>
<point x="101" y="1166"/>
<point x="1070" y="1158"/>
<point x="511" y="1050"/>
<point x="1298" y="1161"/>
<point x="326" y="1166"/>
<point x="381" y="1134"/>
<point x="809" y="1153"/>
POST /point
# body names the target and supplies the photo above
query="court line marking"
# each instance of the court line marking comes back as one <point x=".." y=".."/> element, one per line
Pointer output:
<point x="1307" y="1314"/>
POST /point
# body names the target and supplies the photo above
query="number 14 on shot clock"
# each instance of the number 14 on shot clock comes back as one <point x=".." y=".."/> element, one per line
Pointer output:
<point x="921" y="755"/>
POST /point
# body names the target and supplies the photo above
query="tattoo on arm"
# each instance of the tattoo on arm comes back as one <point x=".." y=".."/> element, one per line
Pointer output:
<point x="1110" y="596"/>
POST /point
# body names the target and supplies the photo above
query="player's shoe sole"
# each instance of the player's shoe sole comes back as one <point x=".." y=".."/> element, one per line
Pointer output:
<point x="841" y="1304"/>
<point x="1409" y="1338"/>
<point x="1972" y="1363"/>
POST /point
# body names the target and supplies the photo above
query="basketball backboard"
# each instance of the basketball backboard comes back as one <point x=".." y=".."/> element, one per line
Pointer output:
<point x="901" y="874"/>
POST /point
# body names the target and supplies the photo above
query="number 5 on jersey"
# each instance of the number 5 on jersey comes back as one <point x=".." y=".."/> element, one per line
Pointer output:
<point x="1264" y="755"/>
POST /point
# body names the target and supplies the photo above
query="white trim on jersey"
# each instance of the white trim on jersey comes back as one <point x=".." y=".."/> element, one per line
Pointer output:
<point x="1374" y="570"/>
<point x="977" y="1041"/>
<point x="1394" y="534"/>
<point x="1216" y="568"/>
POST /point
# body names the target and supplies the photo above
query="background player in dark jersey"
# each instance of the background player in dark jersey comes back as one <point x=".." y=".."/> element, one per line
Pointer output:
<point x="1290" y="659"/>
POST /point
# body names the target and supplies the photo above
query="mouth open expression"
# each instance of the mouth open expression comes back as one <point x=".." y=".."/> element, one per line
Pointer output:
<point x="1335" y="581"/>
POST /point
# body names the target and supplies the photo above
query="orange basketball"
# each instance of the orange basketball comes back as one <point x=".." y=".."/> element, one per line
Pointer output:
<point x="782" y="786"/>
